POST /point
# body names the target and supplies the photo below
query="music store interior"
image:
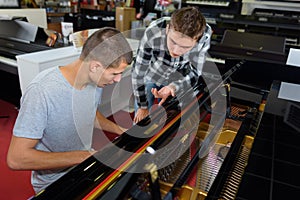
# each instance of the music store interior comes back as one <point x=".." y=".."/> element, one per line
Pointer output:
<point x="238" y="139"/>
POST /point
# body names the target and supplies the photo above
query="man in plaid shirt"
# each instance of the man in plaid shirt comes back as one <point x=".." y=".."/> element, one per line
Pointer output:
<point x="170" y="58"/>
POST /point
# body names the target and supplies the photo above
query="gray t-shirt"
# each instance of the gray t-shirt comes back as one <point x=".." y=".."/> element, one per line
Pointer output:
<point x="61" y="117"/>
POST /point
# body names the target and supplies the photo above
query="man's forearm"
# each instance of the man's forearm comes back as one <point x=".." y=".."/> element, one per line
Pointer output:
<point x="105" y="124"/>
<point x="41" y="160"/>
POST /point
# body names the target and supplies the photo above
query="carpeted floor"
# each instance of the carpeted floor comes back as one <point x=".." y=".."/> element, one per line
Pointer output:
<point x="15" y="185"/>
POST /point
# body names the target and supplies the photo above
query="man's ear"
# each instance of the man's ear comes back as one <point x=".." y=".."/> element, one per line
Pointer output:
<point x="95" y="66"/>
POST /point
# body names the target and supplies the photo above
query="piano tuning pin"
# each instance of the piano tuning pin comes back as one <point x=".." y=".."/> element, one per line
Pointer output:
<point x="163" y="177"/>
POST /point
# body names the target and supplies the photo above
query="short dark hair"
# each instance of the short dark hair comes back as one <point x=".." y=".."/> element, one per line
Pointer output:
<point x="188" y="21"/>
<point x="108" y="46"/>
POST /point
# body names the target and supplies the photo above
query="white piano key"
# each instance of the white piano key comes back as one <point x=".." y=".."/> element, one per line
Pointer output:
<point x="8" y="61"/>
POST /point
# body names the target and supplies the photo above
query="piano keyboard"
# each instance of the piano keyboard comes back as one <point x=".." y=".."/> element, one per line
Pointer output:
<point x="222" y="3"/>
<point x="8" y="61"/>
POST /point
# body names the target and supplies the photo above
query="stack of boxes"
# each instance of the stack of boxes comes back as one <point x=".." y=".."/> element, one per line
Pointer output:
<point x="124" y="17"/>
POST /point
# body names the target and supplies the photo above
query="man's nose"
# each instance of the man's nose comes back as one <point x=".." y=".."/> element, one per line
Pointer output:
<point x="118" y="78"/>
<point x="177" y="50"/>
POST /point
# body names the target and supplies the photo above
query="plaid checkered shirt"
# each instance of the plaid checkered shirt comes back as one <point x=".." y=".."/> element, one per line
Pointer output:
<point x="154" y="64"/>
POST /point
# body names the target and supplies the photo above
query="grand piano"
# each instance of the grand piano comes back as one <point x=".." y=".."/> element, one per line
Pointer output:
<point x="229" y="137"/>
<point x="240" y="144"/>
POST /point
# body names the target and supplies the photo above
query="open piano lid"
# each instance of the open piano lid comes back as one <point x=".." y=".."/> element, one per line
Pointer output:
<point x="18" y="30"/>
<point x="10" y="4"/>
<point x="20" y="37"/>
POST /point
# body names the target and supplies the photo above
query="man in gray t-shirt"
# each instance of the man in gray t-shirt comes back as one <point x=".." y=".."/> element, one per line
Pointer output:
<point x="54" y="128"/>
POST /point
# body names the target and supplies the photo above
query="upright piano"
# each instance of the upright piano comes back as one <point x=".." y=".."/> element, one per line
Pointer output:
<point x="213" y="7"/>
<point x="262" y="23"/>
<point x="17" y="37"/>
<point x="229" y="137"/>
<point x="255" y="36"/>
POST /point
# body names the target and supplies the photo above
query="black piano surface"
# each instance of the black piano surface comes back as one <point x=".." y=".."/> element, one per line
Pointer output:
<point x="270" y="171"/>
<point x="274" y="162"/>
